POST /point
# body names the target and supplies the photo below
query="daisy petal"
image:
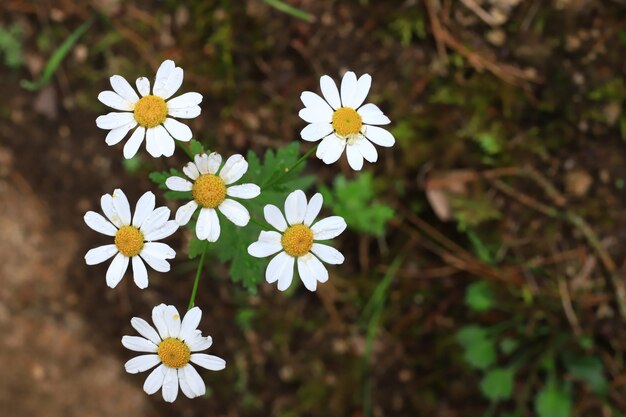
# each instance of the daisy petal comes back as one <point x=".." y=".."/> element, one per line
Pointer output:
<point x="152" y="144"/>
<point x="311" y="270"/>
<point x="268" y="244"/>
<point x="235" y="212"/>
<point x="330" y="149"/>
<point x="114" y="120"/>
<point x="114" y="100"/>
<point x="97" y="222"/>
<point x="366" y="149"/>
<point x="274" y="217"/>
<point x="317" y="104"/>
<point x="372" y="115"/>
<point x="124" y="89"/>
<point x="134" y="142"/>
<point x="140" y="274"/>
<point x="208" y="225"/>
<point x="156" y="263"/>
<point x="167" y="230"/>
<point x="178" y="130"/>
<point x="184" y="385"/>
<point x="210" y="362"/>
<point x="199" y="343"/>
<point x="233" y="169"/>
<point x="116" y="270"/>
<point x="348" y="88"/>
<point x="155" y="220"/>
<point x="154" y="382"/>
<point x="138" y="344"/>
<point x="328" y="228"/>
<point x="191" y="170"/>
<point x="174" y="81"/>
<point x="202" y="163"/>
<point x="106" y="202"/>
<point x="330" y="92"/>
<point x="116" y="135"/>
<point x="295" y="207"/>
<point x="355" y="159"/>
<point x="178" y="184"/>
<point x="327" y="254"/>
<point x="185" y="101"/>
<point x="316" y="131"/>
<point x="245" y="191"/>
<point x="312" y="116"/>
<point x="100" y="254"/>
<point x="158" y="319"/>
<point x="172" y="320"/>
<point x="313" y="209"/>
<point x="185" y="113"/>
<point x="122" y="208"/>
<point x="170" y="385"/>
<point x="184" y="213"/>
<point x="213" y="163"/>
<point x="280" y="268"/>
<point x="159" y="250"/>
<point x="190" y="323"/>
<point x="144" y="207"/>
<point x="165" y="141"/>
<point x="193" y="379"/>
<point x="141" y="363"/>
<point x="145" y="329"/>
<point x="362" y="89"/>
<point x="379" y="136"/>
<point x="163" y="73"/>
<point x="143" y="86"/>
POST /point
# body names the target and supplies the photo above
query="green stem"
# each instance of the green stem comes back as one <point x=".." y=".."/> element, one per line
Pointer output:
<point x="274" y="180"/>
<point x="182" y="146"/>
<point x="194" y="291"/>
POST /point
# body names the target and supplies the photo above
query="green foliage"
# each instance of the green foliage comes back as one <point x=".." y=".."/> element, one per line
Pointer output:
<point x="56" y="59"/>
<point x="590" y="370"/>
<point x="11" y="45"/>
<point x="354" y="201"/>
<point x="497" y="384"/>
<point x="290" y="10"/>
<point x="479" y="348"/>
<point x="408" y="28"/>
<point x="195" y="147"/>
<point x="553" y="400"/>
<point x="479" y="296"/>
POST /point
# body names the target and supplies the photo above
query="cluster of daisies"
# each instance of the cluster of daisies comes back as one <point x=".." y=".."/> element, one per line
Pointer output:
<point x="339" y="119"/>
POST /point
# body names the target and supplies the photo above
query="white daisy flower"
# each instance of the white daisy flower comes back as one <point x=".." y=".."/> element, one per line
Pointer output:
<point x="342" y="120"/>
<point x="150" y="112"/>
<point x="296" y="240"/>
<point x="172" y="347"/>
<point x="210" y="189"/>
<point x="135" y="240"/>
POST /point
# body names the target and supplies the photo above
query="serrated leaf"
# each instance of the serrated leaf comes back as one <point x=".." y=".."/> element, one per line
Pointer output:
<point x="479" y="296"/>
<point x="497" y="384"/>
<point x="553" y="401"/>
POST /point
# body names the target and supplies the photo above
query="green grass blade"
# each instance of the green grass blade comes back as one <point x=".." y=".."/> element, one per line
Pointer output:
<point x="290" y="10"/>
<point x="56" y="59"/>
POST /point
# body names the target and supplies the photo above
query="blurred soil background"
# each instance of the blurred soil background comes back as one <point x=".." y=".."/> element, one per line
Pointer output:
<point x="497" y="288"/>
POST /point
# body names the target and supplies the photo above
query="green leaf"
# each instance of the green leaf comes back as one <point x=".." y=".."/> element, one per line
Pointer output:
<point x="590" y="370"/>
<point x="56" y="59"/>
<point x="553" y="401"/>
<point x="508" y="345"/>
<point x="355" y="202"/>
<point x="497" y="384"/>
<point x="479" y="296"/>
<point x="291" y="10"/>
<point x="195" y="147"/>
<point x="479" y="348"/>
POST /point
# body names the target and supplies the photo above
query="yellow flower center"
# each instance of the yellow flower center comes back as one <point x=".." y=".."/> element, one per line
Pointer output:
<point x="173" y="352"/>
<point x="209" y="190"/>
<point x="150" y="111"/>
<point x="129" y="241"/>
<point x="346" y="121"/>
<point x="297" y="240"/>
